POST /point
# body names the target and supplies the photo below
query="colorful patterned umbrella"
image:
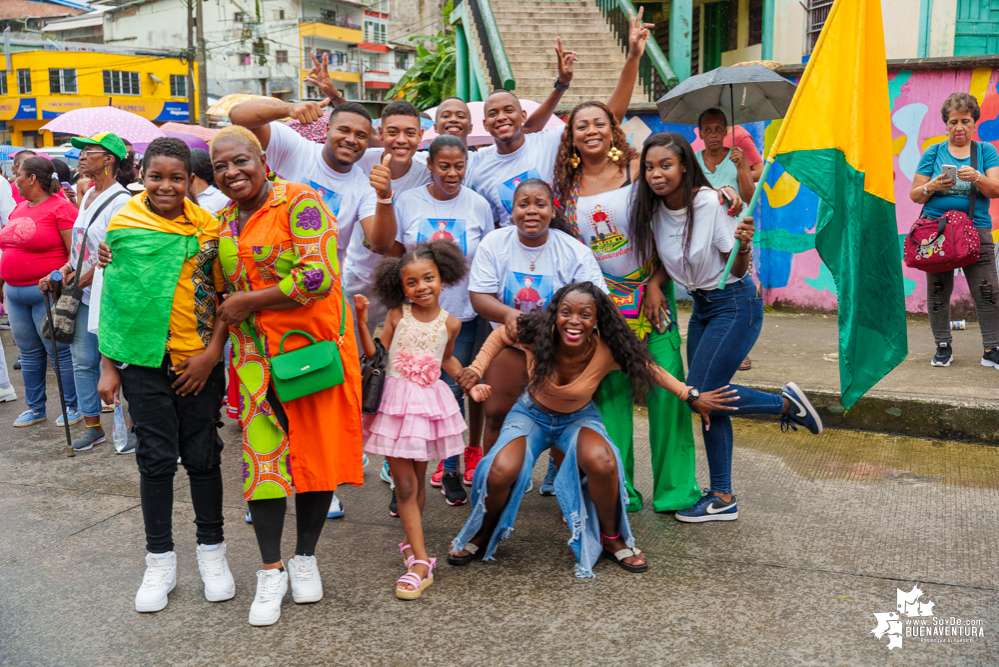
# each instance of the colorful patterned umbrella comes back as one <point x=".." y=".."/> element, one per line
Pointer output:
<point x="92" y="120"/>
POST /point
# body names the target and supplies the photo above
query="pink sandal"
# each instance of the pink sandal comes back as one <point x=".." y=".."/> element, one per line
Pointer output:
<point x="407" y="559"/>
<point x="416" y="581"/>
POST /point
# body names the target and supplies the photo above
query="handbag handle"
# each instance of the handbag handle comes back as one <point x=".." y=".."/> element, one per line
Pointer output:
<point x="290" y="332"/>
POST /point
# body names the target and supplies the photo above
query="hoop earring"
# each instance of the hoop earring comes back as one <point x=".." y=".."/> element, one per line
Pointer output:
<point x="596" y="331"/>
<point x="575" y="159"/>
<point x="614" y="154"/>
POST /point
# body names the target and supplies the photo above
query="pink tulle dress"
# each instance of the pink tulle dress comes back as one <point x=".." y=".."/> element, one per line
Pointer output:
<point x="419" y="417"/>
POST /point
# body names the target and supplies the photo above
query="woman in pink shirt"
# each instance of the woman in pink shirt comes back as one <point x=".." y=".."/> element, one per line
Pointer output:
<point x="36" y="242"/>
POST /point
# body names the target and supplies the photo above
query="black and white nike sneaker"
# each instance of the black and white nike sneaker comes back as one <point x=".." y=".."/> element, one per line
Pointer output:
<point x="709" y="508"/>
<point x="991" y="358"/>
<point x="801" y="412"/>
<point x="945" y="355"/>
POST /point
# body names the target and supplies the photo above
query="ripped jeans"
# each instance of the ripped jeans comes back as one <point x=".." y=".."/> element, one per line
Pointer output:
<point x="544" y="430"/>
<point x="984" y="286"/>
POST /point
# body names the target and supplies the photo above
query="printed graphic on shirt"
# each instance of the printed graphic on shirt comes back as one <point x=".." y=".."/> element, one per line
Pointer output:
<point x="605" y="235"/>
<point x="959" y="189"/>
<point x="78" y="233"/>
<point x="506" y="190"/>
<point x="446" y="229"/>
<point x="528" y="292"/>
<point x="331" y="198"/>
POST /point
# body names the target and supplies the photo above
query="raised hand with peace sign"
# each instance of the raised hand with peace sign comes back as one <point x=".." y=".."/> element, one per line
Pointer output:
<point x="638" y="33"/>
<point x="319" y="76"/>
<point x="565" y="60"/>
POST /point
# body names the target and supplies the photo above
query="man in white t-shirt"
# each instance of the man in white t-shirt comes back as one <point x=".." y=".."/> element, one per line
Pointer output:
<point x="400" y="134"/>
<point x="329" y="168"/>
<point x="495" y="171"/>
<point x="354" y="197"/>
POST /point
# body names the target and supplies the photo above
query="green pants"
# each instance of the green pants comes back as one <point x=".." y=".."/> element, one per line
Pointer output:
<point x="671" y="436"/>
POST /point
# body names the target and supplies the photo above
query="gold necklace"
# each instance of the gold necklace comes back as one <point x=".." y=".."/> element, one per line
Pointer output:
<point x="536" y="257"/>
<point x="593" y="179"/>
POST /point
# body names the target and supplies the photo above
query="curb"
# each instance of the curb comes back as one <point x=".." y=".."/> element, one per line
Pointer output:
<point x="945" y="418"/>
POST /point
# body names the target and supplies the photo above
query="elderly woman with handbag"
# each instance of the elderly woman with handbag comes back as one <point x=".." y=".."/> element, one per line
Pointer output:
<point x="296" y="358"/>
<point x="948" y="174"/>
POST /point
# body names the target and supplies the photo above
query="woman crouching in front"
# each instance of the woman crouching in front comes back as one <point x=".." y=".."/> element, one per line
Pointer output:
<point x="571" y="345"/>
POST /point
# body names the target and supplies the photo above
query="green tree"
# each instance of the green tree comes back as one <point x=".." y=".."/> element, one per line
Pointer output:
<point x="432" y="77"/>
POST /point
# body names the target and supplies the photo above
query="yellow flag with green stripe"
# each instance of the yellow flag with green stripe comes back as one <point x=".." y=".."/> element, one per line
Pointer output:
<point x="836" y="139"/>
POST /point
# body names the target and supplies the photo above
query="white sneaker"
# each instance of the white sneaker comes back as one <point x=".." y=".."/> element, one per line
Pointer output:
<point x="159" y="579"/>
<point x="8" y="394"/>
<point x="306" y="586"/>
<point x="219" y="584"/>
<point x="271" y="587"/>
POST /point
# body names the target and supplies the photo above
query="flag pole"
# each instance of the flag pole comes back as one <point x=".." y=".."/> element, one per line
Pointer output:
<point x="749" y="211"/>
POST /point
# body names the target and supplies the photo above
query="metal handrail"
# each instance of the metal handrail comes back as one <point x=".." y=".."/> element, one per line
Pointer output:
<point x="654" y="70"/>
<point x="492" y="47"/>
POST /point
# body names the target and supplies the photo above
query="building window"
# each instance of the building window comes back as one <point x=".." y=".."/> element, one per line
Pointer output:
<point x="374" y="32"/>
<point x="62" y="81"/>
<point x="278" y="14"/>
<point x="756" y="22"/>
<point x="121" y="83"/>
<point x="732" y="40"/>
<point x="239" y="17"/>
<point x="401" y="60"/>
<point x="24" y="82"/>
<point x="311" y="93"/>
<point x="281" y="57"/>
<point x="3" y="82"/>
<point x="178" y="85"/>
<point x="243" y="59"/>
<point x="818" y="11"/>
<point x="328" y="14"/>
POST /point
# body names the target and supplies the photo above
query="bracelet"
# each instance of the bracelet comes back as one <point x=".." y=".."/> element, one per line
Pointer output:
<point x="387" y="200"/>
<point x="977" y="179"/>
<point x="926" y="193"/>
<point x="746" y="250"/>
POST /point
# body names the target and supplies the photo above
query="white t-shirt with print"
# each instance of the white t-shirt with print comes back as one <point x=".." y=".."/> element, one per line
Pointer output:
<point x="713" y="233"/>
<point x="604" y="221"/>
<point x="465" y="220"/>
<point x="361" y="262"/>
<point x="98" y="230"/>
<point x="496" y="176"/>
<point x="502" y="267"/>
<point x="349" y="196"/>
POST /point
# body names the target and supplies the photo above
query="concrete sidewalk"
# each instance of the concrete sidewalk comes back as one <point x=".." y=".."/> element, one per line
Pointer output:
<point x="960" y="402"/>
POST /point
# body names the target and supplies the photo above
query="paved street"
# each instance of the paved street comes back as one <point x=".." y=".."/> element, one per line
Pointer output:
<point x="830" y="526"/>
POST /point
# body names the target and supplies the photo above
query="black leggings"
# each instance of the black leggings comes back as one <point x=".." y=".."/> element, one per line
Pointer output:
<point x="268" y="523"/>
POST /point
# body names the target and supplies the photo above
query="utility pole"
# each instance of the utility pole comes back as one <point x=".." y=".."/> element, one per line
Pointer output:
<point x="191" y="119"/>
<point x="202" y="68"/>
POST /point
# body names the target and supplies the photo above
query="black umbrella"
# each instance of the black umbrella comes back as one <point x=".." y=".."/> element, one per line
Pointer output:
<point x="752" y="93"/>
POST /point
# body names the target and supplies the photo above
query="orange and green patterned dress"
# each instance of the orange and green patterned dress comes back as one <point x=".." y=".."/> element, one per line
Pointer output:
<point x="291" y="241"/>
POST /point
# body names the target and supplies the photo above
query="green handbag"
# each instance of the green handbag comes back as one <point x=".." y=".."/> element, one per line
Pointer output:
<point x="309" y="369"/>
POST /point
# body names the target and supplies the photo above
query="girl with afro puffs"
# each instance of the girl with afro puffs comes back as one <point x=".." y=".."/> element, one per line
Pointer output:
<point x="418" y="419"/>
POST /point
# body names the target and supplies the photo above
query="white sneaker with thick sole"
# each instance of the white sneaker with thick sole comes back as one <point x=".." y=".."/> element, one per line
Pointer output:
<point x="8" y="394"/>
<point x="214" y="568"/>
<point x="271" y="587"/>
<point x="306" y="586"/>
<point x="159" y="579"/>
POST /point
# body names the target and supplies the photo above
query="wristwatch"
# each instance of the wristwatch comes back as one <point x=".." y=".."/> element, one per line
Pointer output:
<point x="926" y="193"/>
<point x="560" y="87"/>
<point x="693" y="395"/>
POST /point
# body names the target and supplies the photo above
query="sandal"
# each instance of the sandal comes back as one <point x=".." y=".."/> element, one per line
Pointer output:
<point x="746" y="365"/>
<point x="407" y="559"/>
<point x="453" y="559"/>
<point x="621" y="554"/>
<point x="415" y="580"/>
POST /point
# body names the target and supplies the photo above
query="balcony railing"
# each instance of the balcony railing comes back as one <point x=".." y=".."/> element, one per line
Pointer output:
<point x="340" y="23"/>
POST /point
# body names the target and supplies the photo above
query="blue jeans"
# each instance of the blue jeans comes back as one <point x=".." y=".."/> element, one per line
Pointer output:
<point x="723" y="329"/>
<point x="544" y="430"/>
<point x="86" y="364"/>
<point x="464" y="346"/>
<point x="25" y="312"/>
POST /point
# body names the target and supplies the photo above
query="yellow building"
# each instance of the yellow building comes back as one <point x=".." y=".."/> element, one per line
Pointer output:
<point x="42" y="83"/>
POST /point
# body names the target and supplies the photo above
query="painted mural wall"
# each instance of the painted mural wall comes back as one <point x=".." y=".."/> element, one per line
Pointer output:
<point x="787" y="265"/>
